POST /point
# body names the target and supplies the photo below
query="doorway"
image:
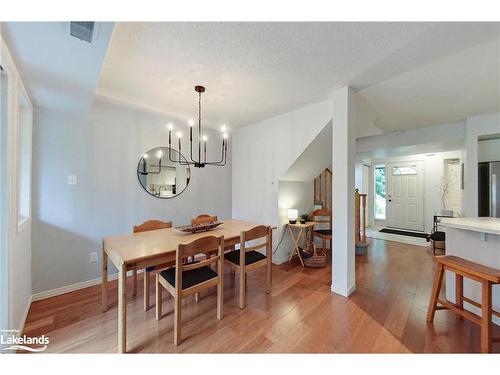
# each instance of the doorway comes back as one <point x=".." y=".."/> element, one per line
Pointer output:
<point x="405" y="209"/>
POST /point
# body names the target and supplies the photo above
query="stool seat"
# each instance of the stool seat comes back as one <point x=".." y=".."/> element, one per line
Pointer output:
<point x="487" y="276"/>
<point x="437" y="236"/>
<point x="472" y="268"/>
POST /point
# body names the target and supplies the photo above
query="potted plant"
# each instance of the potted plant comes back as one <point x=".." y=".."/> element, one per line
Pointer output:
<point x="304" y="218"/>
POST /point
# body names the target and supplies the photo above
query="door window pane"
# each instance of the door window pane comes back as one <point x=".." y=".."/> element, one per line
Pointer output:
<point x="404" y="170"/>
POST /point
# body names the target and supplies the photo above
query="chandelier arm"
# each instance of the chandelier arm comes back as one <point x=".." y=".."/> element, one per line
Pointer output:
<point x="223" y="161"/>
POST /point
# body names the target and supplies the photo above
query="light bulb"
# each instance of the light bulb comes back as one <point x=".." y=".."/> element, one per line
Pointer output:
<point x="223" y="128"/>
<point x="170" y="126"/>
<point x="224" y="135"/>
<point x="145" y="156"/>
<point x="178" y="134"/>
<point x="191" y="122"/>
<point x="159" y="153"/>
<point x="204" y="138"/>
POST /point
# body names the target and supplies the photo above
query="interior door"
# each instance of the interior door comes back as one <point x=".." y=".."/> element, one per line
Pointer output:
<point x="405" y="209"/>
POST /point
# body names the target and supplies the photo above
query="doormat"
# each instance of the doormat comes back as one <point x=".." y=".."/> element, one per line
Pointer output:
<point x="403" y="233"/>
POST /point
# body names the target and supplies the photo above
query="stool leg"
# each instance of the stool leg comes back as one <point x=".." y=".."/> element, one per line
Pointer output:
<point x="147" y="283"/>
<point x="436" y="288"/>
<point x="134" y="279"/>
<point x="486" y="317"/>
<point x="459" y="293"/>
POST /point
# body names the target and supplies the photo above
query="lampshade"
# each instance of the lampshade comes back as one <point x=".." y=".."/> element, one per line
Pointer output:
<point x="293" y="214"/>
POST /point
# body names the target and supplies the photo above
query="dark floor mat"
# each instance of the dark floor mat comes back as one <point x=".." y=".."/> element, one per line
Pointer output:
<point x="404" y="233"/>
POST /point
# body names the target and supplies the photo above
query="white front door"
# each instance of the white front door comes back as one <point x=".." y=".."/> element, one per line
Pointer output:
<point x="405" y="209"/>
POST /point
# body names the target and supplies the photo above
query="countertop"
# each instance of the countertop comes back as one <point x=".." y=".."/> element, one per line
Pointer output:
<point x="490" y="225"/>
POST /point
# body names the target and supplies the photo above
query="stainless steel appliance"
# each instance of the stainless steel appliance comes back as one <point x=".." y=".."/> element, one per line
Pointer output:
<point x="489" y="188"/>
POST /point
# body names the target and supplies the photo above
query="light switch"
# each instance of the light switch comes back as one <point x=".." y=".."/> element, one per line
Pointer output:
<point x="71" y="179"/>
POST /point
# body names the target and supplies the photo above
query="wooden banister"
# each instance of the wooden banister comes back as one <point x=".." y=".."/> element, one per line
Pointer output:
<point x="360" y="229"/>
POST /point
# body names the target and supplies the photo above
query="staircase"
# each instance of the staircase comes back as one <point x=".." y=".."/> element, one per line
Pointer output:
<point x="323" y="189"/>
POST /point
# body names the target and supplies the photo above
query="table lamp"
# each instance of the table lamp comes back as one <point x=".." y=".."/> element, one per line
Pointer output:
<point x="293" y="214"/>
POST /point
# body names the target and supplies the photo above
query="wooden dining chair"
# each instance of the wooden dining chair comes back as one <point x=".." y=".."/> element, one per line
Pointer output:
<point x="247" y="258"/>
<point x="186" y="279"/>
<point x="325" y="234"/>
<point x="203" y="218"/>
<point x="146" y="227"/>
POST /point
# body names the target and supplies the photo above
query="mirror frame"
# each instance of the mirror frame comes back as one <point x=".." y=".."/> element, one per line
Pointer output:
<point x="157" y="196"/>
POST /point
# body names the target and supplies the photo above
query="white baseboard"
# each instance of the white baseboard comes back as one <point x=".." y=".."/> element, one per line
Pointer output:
<point x="343" y="292"/>
<point x="73" y="287"/>
<point x="281" y="260"/>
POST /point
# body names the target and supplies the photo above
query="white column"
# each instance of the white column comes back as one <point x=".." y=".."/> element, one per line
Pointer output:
<point x="343" y="162"/>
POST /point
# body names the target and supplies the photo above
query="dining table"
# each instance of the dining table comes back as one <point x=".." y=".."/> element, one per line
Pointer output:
<point x="155" y="248"/>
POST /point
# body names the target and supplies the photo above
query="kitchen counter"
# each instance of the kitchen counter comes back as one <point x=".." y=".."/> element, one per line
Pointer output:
<point x="489" y="225"/>
<point x="476" y="239"/>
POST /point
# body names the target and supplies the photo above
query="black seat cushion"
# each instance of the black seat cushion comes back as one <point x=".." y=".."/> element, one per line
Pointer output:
<point x="250" y="257"/>
<point x="324" y="232"/>
<point x="189" y="278"/>
<point x="437" y="236"/>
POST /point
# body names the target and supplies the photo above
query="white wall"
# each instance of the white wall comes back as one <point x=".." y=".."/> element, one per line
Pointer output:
<point x="17" y="256"/>
<point x="475" y="126"/>
<point x="433" y="175"/>
<point x="103" y="149"/>
<point x="263" y="153"/>
<point x="488" y="150"/>
<point x="444" y="137"/>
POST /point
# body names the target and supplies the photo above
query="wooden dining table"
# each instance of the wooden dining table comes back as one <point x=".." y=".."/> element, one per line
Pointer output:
<point x="153" y="249"/>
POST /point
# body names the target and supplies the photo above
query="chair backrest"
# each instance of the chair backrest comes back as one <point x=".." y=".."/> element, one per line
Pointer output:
<point x="255" y="233"/>
<point x="203" y="218"/>
<point x="322" y="212"/>
<point x="152" y="225"/>
<point x="200" y="246"/>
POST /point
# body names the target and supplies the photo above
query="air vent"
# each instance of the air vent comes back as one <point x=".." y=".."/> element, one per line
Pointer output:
<point x="82" y="30"/>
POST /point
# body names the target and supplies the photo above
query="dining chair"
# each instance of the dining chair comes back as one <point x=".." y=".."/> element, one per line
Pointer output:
<point x="324" y="234"/>
<point x="186" y="279"/>
<point x="247" y="258"/>
<point x="203" y="218"/>
<point x="146" y="227"/>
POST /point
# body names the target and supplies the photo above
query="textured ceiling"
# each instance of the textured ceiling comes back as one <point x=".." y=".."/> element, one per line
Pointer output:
<point x="413" y="74"/>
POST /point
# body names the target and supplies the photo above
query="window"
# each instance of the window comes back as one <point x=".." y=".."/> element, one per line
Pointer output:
<point x="412" y="169"/>
<point x="380" y="185"/>
<point x="25" y="122"/>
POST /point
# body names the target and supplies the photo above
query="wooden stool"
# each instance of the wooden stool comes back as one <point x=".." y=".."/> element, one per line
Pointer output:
<point x="487" y="276"/>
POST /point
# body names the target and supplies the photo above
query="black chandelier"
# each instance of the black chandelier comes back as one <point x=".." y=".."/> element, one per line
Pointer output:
<point x="197" y="162"/>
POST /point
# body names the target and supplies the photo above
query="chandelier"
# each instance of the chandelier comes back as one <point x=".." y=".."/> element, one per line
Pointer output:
<point x="200" y="161"/>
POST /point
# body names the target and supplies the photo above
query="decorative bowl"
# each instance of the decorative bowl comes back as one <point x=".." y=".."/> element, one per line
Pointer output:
<point x="202" y="227"/>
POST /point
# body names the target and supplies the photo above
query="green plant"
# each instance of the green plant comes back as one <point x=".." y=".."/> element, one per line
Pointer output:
<point x="304" y="217"/>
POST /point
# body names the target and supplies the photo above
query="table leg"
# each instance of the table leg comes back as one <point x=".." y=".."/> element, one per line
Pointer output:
<point x="122" y="309"/>
<point x="104" y="281"/>
<point x="296" y="245"/>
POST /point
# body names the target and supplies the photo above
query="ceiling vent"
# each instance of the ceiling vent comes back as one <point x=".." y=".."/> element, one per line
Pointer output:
<point x="82" y="30"/>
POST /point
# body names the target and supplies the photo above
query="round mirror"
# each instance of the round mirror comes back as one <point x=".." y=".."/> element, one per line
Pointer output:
<point x="163" y="172"/>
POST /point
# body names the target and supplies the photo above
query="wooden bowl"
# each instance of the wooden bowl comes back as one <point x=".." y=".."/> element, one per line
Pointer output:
<point x="202" y="227"/>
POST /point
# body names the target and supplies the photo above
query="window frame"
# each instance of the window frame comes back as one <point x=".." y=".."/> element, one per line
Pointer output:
<point x="384" y="167"/>
<point x="23" y="107"/>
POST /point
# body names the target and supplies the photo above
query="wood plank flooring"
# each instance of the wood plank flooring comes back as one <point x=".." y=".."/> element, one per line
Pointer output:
<point x="386" y="314"/>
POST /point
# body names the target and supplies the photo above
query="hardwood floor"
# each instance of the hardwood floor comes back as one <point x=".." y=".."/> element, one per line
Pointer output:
<point x="386" y="314"/>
